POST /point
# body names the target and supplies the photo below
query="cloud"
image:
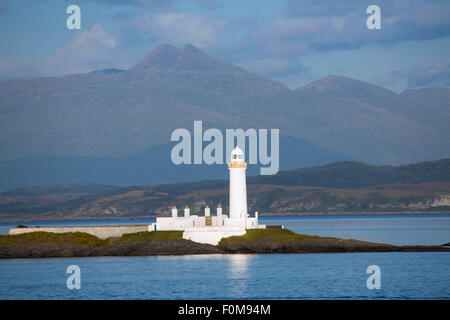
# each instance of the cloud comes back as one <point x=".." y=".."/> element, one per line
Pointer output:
<point x="157" y="4"/>
<point x="332" y="8"/>
<point x="179" y="28"/>
<point x="95" y="48"/>
<point x="428" y="74"/>
<point x="336" y="25"/>
<point x="91" y="43"/>
<point x="89" y="50"/>
<point x="271" y="47"/>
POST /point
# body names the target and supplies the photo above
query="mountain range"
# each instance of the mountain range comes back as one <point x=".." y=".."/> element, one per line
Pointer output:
<point x="113" y="126"/>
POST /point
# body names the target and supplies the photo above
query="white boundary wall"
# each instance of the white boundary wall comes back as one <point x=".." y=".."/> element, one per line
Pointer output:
<point x="102" y="232"/>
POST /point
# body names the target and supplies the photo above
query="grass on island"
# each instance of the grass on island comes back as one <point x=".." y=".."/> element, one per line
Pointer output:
<point x="146" y="236"/>
<point x="278" y="235"/>
<point x="82" y="238"/>
<point x="42" y="238"/>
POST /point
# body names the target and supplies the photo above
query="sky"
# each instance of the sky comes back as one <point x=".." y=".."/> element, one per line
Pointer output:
<point x="292" y="41"/>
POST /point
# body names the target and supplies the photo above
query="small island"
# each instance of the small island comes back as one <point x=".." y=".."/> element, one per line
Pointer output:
<point x="235" y="232"/>
<point x="257" y="241"/>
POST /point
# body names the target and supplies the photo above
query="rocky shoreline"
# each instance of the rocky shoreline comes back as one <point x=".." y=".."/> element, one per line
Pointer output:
<point x="48" y="245"/>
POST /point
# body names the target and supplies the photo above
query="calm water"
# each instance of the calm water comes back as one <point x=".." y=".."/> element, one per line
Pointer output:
<point x="279" y="276"/>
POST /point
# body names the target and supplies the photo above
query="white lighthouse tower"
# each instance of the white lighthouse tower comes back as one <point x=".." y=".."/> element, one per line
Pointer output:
<point x="238" y="188"/>
<point x="209" y="228"/>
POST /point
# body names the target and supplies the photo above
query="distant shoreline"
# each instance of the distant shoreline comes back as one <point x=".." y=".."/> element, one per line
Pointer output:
<point x="305" y="214"/>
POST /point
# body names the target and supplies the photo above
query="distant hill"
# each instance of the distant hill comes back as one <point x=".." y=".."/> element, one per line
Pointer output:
<point x="343" y="175"/>
<point x="336" y="187"/>
<point x="415" y="105"/>
<point x="107" y="126"/>
<point x="75" y="189"/>
<point x="351" y="175"/>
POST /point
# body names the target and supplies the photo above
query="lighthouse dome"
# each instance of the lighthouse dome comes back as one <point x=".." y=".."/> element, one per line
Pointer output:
<point x="237" y="154"/>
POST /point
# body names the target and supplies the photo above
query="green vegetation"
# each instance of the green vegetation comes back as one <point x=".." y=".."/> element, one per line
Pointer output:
<point x="82" y="238"/>
<point x="45" y="238"/>
<point x="147" y="236"/>
<point x="286" y="241"/>
<point x="278" y="235"/>
<point x="46" y="245"/>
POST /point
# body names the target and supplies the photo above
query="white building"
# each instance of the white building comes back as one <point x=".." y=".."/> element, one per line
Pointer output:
<point x="208" y="228"/>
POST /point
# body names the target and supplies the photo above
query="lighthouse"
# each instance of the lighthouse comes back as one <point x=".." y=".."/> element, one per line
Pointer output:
<point x="238" y="188"/>
<point x="210" y="228"/>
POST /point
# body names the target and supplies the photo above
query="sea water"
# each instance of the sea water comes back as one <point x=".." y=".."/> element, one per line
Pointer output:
<point x="404" y="275"/>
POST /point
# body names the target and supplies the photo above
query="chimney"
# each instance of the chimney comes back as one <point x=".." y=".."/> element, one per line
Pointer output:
<point x="219" y="210"/>
<point x="174" y="212"/>
<point x="186" y="212"/>
<point x="207" y="211"/>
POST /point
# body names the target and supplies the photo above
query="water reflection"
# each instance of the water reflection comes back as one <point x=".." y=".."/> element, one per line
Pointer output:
<point x="194" y="257"/>
<point x="238" y="273"/>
